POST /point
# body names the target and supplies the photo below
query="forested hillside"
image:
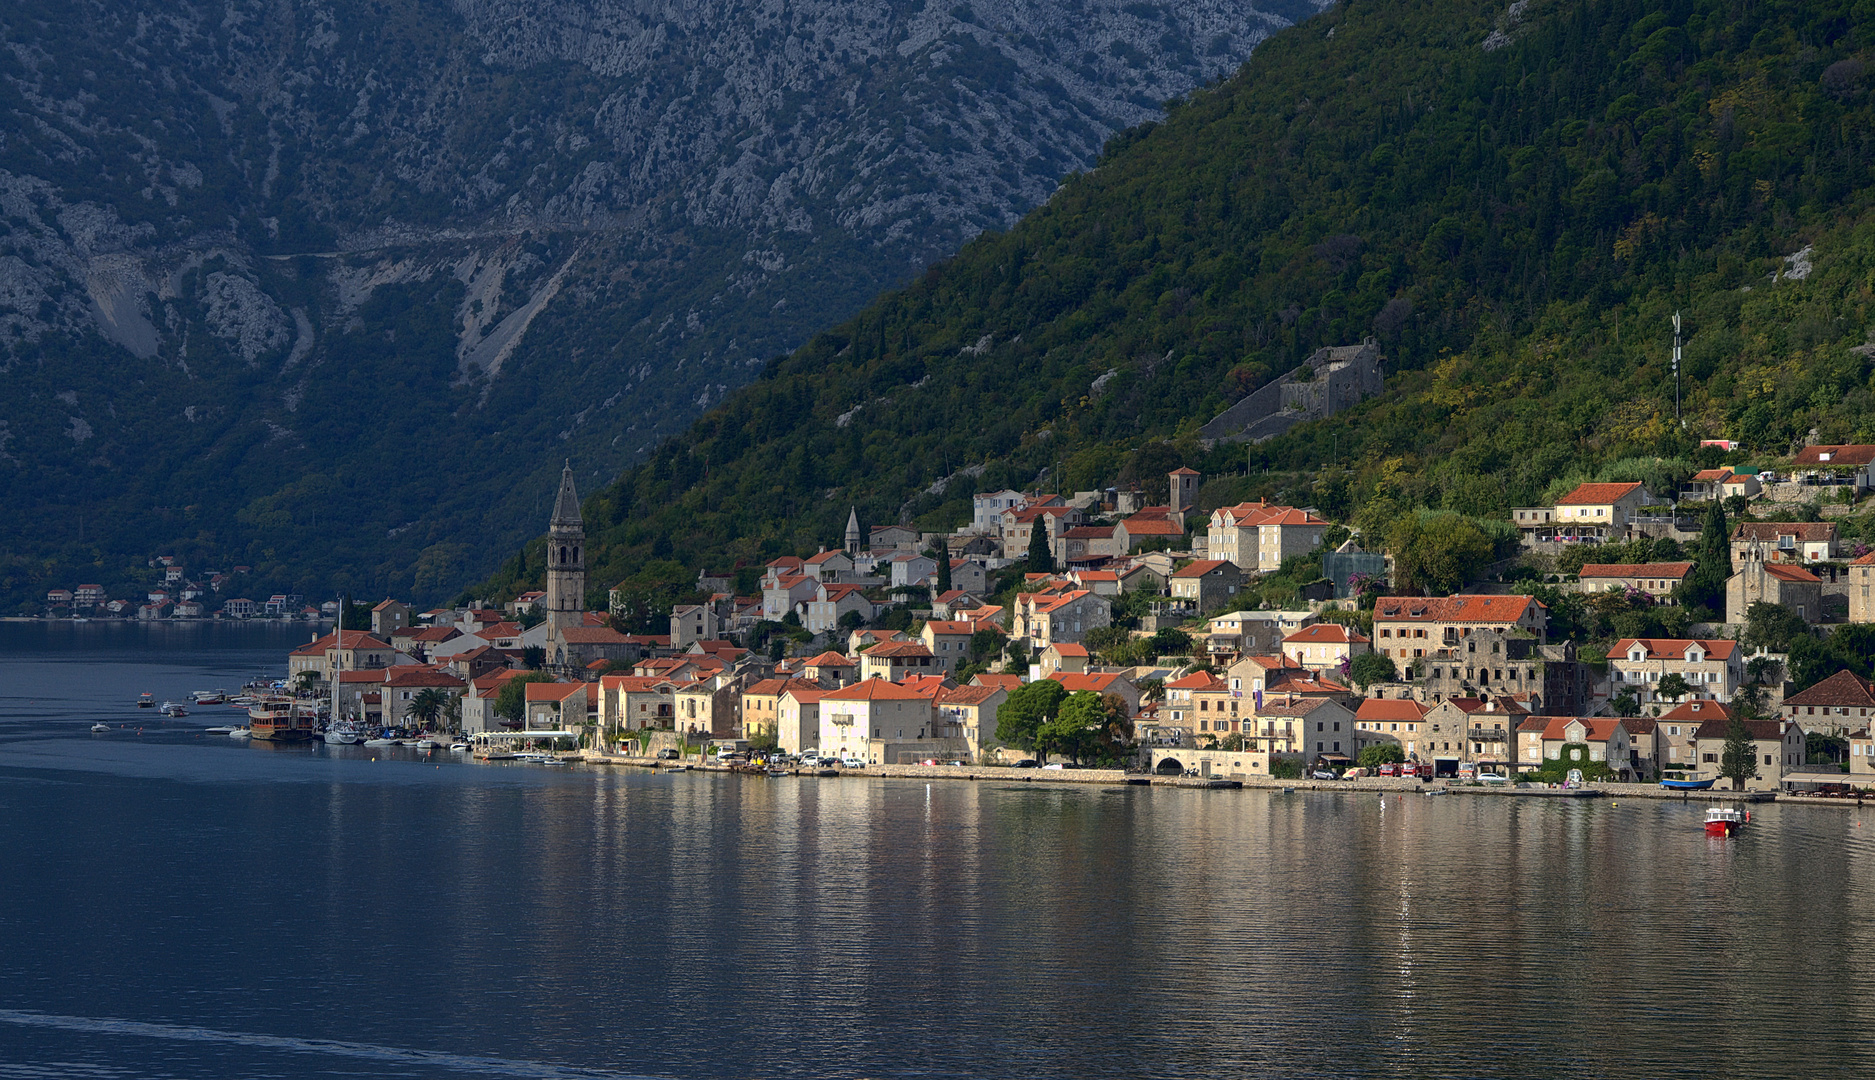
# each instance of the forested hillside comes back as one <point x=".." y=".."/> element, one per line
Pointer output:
<point x="1514" y="204"/>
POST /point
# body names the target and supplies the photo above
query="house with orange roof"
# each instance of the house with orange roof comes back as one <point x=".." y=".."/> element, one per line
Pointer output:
<point x="968" y="713"/>
<point x="1714" y="667"/>
<point x="418" y="640"/>
<point x="389" y="617"/>
<point x="833" y="602"/>
<point x="1657" y="580"/>
<point x="1102" y="683"/>
<point x="1063" y="656"/>
<point x="860" y="640"/>
<point x="1395" y="721"/>
<point x="1836" y="464"/>
<point x="1407" y="628"/>
<point x="1592" y="513"/>
<point x="697" y="622"/>
<point x="1784" y="541"/>
<point x="1321" y="731"/>
<point x="953" y="604"/>
<point x="892" y="660"/>
<point x="829" y="567"/>
<point x="987" y="509"/>
<point x="478" y="700"/>
<point x="1325" y="646"/>
<point x="1085" y="543"/>
<point x="1760" y="582"/>
<point x="786" y="592"/>
<point x="761" y="704"/>
<point x="1478" y="730"/>
<point x="1179" y="708"/>
<point x="581" y="646"/>
<point x="1018" y="524"/>
<point x="710" y="706"/>
<point x="404" y="683"/>
<point x="864" y="719"/>
<point x="1602" y="739"/>
<point x="948" y="641"/>
<point x="1257" y="536"/>
<point x="634" y="702"/>
<point x="830" y="670"/>
<point x="1676" y="731"/>
<point x="558" y="706"/>
<point x="1047" y="617"/>
<point x="1098" y="582"/>
<point x="1779" y="748"/>
<point x="1250" y="675"/>
<point x="1839" y="704"/>
<point x="797" y="720"/>
<point x="1006" y="682"/>
<point x="1147" y="527"/>
<point x="1206" y="584"/>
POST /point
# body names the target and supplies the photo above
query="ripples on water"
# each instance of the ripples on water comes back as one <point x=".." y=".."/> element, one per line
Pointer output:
<point x="186" y="907"/>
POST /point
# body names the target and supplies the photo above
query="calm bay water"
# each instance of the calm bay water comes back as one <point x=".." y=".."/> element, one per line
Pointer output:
<point x="175" y="905"/>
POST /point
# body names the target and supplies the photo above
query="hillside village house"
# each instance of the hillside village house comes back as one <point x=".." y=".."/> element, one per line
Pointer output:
<point x="987" y="509"/>
<point x="1676" y="731"/>
<point x="893" y="660"/>
<point x="558" y="706"/>
<point x="1713" y="667"/>
<point x="1780" y="747"/>
<point x="1258" y="536"/>
<point x="969" y="713"/>
<point x="1861" y="578"/>
<point x="1207" y="583"/>
<point x="831" y="603"/>
<point x="761" y="703"/>
<point x="1576" y="739"/>
<point x="1852" y="466"/>
<point x="1054" y="520"/>
<point x="1720" y="483"/>
<point x="1504" y="662"/>
<point x="948" y="642"/>
<point x="1407" y="628"/>
<point x="1179" y="709"/>
<point x="403" y="685"/>
<point x="1467" y="729"/>
<point x="1784" y="541"/>
<point x="797" y="721"/>
<point x="1592" y="512"/>
<point x="1101" y="683"/>
<point x="1048" y="617"/>
<point x="864" y="719"/>
<point x="1657" y="580"/>
<point x="1063" y="656"/>
<point x="633" y="703"/>
<point x="1325" y="646"/>
<point x="1397" y="721"/>
<point x="1838" y="705"/>
<point x="1789" y="586"/>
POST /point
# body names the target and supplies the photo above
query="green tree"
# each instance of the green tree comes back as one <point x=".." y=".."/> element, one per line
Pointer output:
<point x="427" y="706"/>
<point x="354" y="616"/>
<point x="1773" y="627"/>
<point x="1673" y="686"/>
<point x="1625" y="703"/>
<point x="1437" y="553"/>
<point x="1170" y="641"/>
<point x="1030" y="707"/>
<point x="1041" y="560"/>
<point x="534" y="656"/>
<point x="1712" y="563"/>
<point x="1739" y="760"/>
<point x="1372" y="757"/>
<point x="1370" y="668"/>
<point x="511" y="699"/>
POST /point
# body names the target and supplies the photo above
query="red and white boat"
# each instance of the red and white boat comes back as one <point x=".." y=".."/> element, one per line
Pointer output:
<point x="1726" y="821"/>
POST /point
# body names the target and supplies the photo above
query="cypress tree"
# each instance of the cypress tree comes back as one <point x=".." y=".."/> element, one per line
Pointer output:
<point x="1041" y="560"/>
<point x="1712" y="563"/>
<point x="943" y="565"/>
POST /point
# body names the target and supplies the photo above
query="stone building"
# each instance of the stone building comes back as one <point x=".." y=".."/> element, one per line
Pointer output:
<point x="1760" y="581"/>
<point x="1329" y="381"/>
<point x="565" y="602"/>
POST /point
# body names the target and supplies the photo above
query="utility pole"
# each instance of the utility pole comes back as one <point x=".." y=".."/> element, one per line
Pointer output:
<point x="1676" y="368"/>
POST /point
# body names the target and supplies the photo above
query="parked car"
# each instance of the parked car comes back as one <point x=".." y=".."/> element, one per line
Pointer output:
<point x="827" y="762"/>
<point x="667" y="754"/>
<point x="1027" y="763"/>
<point x="1322" y="774"/>
<point x="1492" y="778"/>
<point x="851" y="762"/>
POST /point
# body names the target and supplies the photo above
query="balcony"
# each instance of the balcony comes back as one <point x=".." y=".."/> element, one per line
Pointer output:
<point x="1479" y="734"/>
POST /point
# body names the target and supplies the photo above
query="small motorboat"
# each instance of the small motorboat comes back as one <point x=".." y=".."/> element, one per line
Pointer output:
<point x="459" y="747"/>
<point x="426" y="744"/>
<point x="146" y="701"/>
<point x="1726" y="820"/>
<point x="241" y="733"/>
<point x="100" y="726"/>
<point x="222" y="730"/>
<point x="174" y="710"/>
<point x="1687" y="785"/>
<point x="210" y="697"/>
<point x="384" y="742"/>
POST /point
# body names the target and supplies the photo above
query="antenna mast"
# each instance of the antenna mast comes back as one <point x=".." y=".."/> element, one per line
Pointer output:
<point x="1676" y="368"/>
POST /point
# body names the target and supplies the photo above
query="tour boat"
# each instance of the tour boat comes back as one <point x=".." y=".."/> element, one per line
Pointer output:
<point x="1687" y="785"/>
<point x="1726" y="820"/>
<point x="279" y="720"/>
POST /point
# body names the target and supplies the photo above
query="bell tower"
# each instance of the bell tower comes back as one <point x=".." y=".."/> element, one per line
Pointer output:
<point x="566" y="557"/>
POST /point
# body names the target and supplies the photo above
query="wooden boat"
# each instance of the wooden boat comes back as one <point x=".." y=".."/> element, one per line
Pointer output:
<point x="1687" y="785"/>
<point x="1726" y="820"/>
<point x="280" y="720"/>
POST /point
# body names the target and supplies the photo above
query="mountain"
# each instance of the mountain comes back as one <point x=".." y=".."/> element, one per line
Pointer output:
<point x="331" y="288"/>
<point x="1514" y="201"/>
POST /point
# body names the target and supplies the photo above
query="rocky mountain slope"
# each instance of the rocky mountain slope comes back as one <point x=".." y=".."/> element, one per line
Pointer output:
<point x="337" y="284"/>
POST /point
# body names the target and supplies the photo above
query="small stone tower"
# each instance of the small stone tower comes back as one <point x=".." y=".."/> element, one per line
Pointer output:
<point x="852" y="531"/>
<point x="566" y="557"/>
<point x="1183" y="493"/>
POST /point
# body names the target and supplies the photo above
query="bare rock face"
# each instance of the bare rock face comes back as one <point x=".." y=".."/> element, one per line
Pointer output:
<point x="514" y="220"/>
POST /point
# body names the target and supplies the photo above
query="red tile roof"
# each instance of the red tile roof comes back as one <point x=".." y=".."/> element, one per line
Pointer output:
<point x="1673" y="648"/>
<point x="888" y="649"/>
<point x="874" y="690"/>
<point x="593" y="635"/>
<point x="1807" y="532"/>
<point x="958" y="626"/>
<point x="1145" y="526"/>
<point x="968" y="695"/>
<point x="1836" y="455"/>
<point x="1843" y="688"/>
<point x="1785" y="572"/>
<point x="1001" y="682"/>
<point x="1600" y="728"/>
<point x="1636" y="570"/>
<point x="1391" y="709"/>
<point x="1458" y="609"/>
<point x="1697" y="712"/>
<point x="827" y="659"/>
<point x="1326" y="634"/>
<point x="1760" y="730"/>
<point x="1101" y="683"/>
<point x="1198" y="568"/>
<point x="1598" y="494"/>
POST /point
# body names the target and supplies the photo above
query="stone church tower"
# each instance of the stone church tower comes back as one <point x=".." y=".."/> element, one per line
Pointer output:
<point x="566" y="558"/>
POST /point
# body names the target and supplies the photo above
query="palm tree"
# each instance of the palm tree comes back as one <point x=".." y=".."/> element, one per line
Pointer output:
<point x="427" y="706"/>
